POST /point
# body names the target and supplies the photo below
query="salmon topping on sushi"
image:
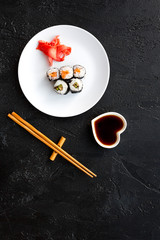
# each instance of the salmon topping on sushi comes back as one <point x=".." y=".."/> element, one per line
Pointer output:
<point x="77" y="70"/>
<point x="53" y="74"/>
<point x="64" y="74"/>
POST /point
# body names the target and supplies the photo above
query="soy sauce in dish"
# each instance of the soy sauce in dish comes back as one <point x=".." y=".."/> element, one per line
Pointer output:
<point x="106" y="128"/>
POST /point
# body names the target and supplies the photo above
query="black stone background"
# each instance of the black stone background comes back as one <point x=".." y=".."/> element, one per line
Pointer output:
<point x="41" y="200"/>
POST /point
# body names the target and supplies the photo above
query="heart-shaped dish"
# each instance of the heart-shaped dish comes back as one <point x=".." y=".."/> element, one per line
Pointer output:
<point x="107" y="128"/>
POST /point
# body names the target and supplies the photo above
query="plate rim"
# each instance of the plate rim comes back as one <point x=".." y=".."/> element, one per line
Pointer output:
<point x="104" y="51"/>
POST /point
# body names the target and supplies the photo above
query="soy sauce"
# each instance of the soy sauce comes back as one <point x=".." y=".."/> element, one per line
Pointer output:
<point x="106" y="128"/>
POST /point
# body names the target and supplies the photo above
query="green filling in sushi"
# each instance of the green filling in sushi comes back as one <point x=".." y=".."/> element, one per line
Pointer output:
<point x="59" y="87"/>
<point x="76" y="85"/>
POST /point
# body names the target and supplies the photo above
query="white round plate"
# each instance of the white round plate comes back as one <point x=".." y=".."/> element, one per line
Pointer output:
<point x="86" y="51"/>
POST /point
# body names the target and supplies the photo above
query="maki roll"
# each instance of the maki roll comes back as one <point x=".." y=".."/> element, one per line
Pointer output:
<point x="53" y="74"/>
<point x="61" y="87"/>
<point x="66" y="72"/>
<point x="79" y="71"/>
<point x="76" y="85"/>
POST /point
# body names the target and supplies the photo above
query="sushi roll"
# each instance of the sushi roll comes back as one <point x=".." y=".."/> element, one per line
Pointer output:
<point x="53" y="74"/>
<point x="61" y="87"/>
<point x="79" y="71"/>
<point x="66" y="72"/>
<point x="76" y="85"/>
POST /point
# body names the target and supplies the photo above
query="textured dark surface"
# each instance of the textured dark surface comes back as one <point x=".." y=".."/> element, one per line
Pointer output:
<point x="41" y="200"/>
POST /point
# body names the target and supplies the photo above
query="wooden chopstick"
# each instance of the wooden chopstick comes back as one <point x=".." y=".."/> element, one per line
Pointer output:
<point x="49" y="143"/>
<point x="60" y="144"/>
<point x="45" y="142"/>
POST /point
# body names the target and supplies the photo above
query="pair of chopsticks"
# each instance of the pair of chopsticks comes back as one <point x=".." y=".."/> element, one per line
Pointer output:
<point x="32" y="130"/>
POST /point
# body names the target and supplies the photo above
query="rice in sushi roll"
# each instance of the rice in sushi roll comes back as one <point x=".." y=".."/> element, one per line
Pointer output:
<point x="61" y="87"/>
<point x="53" y="74"/>
<point x="79" y="71"/>
<point x="76" y="85"/>
<point x="66" y="72"/>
